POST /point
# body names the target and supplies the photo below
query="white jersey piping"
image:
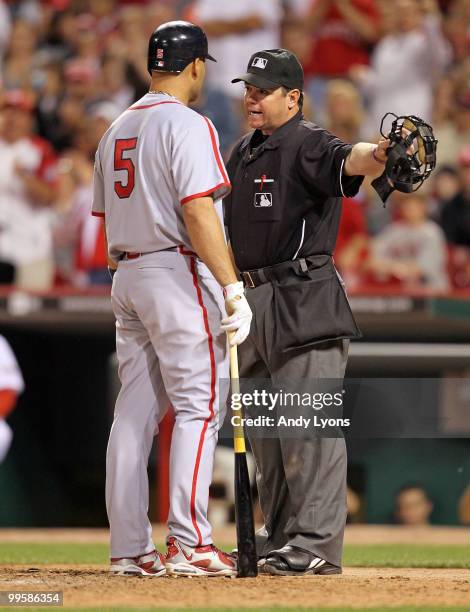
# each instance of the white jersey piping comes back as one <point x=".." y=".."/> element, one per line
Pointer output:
<point x="301" y="239"/>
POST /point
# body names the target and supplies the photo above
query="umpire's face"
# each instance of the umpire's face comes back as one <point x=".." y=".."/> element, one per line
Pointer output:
<point x="268" y="109"/>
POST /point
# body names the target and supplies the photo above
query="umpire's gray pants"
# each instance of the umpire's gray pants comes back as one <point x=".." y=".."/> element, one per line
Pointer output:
<point x="301" y="482"/>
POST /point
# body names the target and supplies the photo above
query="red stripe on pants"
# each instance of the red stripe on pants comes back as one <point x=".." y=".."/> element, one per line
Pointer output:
<point x="211" y="401"/>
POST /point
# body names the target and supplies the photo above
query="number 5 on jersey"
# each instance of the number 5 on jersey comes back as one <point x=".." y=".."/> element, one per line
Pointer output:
<point x="122" y="145"/>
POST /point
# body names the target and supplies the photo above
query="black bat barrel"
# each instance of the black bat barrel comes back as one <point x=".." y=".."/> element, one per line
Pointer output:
<point x="247" y="557"/>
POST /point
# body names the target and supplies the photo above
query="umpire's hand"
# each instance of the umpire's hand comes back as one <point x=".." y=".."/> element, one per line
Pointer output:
<point x="239" y="311"/>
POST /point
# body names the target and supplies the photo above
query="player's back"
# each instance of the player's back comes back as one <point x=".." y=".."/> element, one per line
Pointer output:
<point x="147" y="167"/>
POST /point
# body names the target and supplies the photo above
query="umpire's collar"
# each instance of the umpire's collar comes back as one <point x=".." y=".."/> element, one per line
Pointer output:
<point x="273" y="141"/>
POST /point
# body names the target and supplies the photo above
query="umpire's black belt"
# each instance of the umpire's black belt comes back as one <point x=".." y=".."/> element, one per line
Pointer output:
<point x="278" y="272"/>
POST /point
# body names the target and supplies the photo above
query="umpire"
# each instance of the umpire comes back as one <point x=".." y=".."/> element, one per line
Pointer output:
<point x="282" y="216"/>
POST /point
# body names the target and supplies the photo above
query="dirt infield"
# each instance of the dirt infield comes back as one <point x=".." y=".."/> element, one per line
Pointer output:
<point x="358" y="587"/>
<point x="91" y="586"/>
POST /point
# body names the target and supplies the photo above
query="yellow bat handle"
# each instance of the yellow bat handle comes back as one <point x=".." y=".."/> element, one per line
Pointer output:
<point x="238" y="431"/>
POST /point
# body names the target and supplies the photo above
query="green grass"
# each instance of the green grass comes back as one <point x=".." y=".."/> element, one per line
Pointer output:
<point x="407" y="555"/>
<point x="370" y="555"/>
<point x="54" y="552"/>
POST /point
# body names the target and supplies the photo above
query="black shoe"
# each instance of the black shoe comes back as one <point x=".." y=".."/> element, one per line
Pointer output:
<point x="295" y="561"/>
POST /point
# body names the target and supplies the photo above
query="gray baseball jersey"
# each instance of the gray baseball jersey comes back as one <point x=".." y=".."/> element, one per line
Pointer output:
<point x="161" y="155"/>
<point x="157" y="156"/>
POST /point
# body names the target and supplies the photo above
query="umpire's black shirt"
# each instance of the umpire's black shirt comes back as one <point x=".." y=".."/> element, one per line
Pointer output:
<point x="286" y="194"/>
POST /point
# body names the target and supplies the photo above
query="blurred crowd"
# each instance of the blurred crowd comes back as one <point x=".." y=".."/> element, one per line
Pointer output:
<point x="412" y="505"/>
<point x="68" y="68"/>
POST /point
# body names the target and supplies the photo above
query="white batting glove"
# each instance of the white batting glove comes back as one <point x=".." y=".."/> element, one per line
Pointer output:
<point x="239" y="311"/>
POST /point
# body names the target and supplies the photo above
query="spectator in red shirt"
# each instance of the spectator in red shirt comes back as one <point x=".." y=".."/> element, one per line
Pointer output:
<point x="343" y="31"/>
<point x="352" y="242"/>
<point x="79" y="237"/>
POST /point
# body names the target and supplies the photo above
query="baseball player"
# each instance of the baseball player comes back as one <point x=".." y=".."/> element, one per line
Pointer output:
<point x="158" y="180"/>
<point x="11" y="385"/>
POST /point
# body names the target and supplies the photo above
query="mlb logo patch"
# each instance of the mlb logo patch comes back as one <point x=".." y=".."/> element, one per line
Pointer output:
<point x="160" y="64"/>
<point x="263" y="200"/>
<point x="159" y="53"/>
<point x="259" y="62"/>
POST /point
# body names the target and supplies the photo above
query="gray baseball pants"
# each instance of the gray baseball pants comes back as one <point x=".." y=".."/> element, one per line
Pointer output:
<point x="301" y="482"/>
<point x="170" y="349"/>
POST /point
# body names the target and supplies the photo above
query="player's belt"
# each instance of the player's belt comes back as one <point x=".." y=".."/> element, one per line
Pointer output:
<point x="130" y="255"/>
<point x="279" y="272"/>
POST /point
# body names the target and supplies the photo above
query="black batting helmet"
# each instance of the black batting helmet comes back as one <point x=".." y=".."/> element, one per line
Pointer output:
<point x="174" y="44"/>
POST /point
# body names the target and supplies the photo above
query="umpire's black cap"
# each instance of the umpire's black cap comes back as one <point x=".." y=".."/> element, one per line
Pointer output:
<point x="272" y="68"/>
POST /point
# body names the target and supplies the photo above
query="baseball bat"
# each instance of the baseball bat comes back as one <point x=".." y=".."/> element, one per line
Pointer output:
<point x="247" y="557"/>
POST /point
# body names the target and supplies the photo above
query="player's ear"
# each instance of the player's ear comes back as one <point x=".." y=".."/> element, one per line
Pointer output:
<point x="196" y="67"/>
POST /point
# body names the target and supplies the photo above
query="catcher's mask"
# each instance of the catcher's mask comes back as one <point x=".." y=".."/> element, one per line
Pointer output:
<point x="411" y="156"/>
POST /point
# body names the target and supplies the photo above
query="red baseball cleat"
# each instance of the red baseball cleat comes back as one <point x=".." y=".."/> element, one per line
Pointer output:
<point x="183" y="560"/>
<point x="152" y="565"/>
